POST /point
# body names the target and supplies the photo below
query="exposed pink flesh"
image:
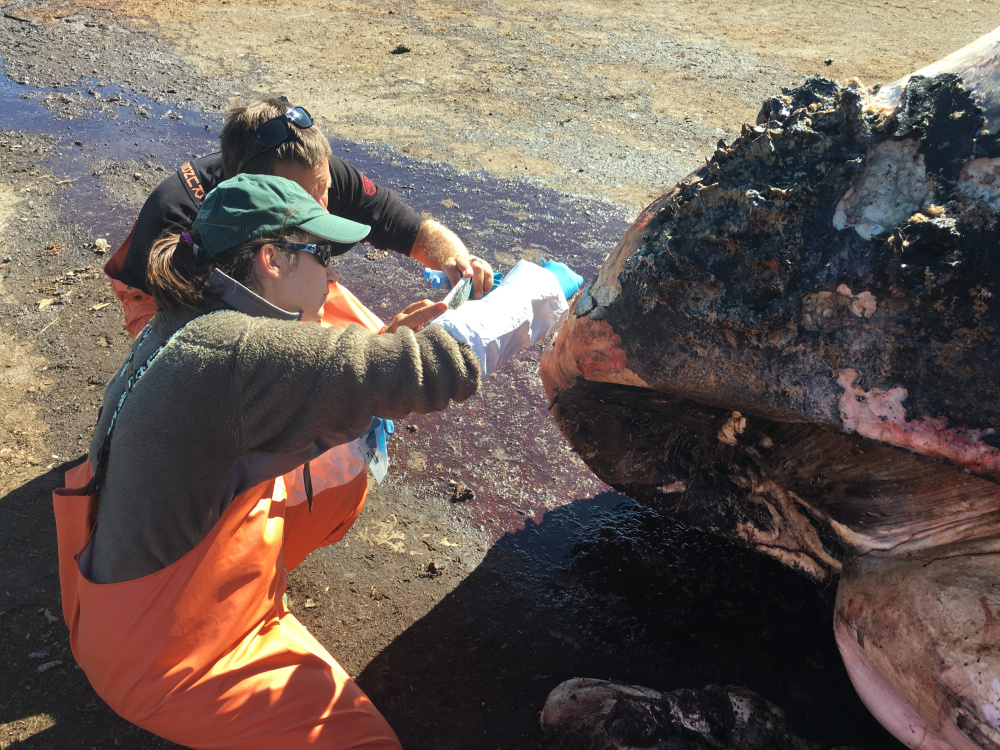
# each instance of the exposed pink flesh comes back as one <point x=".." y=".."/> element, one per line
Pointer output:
<point x="880" y="415"/>
<point x="919" y="636"/>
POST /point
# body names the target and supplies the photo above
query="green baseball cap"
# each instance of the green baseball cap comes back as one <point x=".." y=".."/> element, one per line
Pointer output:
<point x="248" y="206"/>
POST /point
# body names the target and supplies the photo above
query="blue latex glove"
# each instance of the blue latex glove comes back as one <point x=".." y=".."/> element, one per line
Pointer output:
<point x="376" y="449"/>
<point x="385" y="428"/>
<point x="569" y="280"/>
<point x="440" y="279"/>
<point x="378" y="433"/>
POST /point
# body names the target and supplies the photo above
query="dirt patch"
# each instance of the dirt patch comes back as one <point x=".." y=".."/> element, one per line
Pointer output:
<point x="22" y="429"/>
<point x="129" y="182"/>
<point x="60" y="339"/>
<point x="516" y="89"/>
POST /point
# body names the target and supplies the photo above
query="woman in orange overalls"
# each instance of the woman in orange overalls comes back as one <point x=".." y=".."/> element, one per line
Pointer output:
<point x="175" y="537"/>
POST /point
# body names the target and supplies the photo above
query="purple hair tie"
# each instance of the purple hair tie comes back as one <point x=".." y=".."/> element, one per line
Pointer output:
<point x="186" y="236"/>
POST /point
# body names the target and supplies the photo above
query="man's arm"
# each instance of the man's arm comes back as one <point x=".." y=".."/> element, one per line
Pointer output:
<point x="396" y="226"/>
<point x="439" y="248"/>
<point x="352" y="195"/>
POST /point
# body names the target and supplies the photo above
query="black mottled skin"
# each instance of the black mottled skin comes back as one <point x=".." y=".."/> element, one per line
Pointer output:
<point x="715" y="272"/>
<point x="710" y="316"/>
<point x="679" y="720"/>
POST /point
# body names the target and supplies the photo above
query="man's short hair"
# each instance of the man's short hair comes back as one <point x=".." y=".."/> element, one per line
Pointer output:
<point x="306" y="146"/>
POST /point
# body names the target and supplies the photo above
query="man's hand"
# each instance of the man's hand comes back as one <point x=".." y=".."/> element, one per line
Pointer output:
<point x="416" y="315"/>
<point x="439" y="248"/>
<point x="474" y="266"/>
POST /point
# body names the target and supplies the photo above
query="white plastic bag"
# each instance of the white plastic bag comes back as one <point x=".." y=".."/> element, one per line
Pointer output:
<point x="526" y="306"/>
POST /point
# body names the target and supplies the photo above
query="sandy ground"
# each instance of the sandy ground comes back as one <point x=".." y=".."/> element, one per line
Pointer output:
<point x="594" y="86"/>
<point x="596" y="102"/>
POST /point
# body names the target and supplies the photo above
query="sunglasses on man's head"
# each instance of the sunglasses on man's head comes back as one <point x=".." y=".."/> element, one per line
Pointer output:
<point x="323" y="252"/>
<point x="275" y="131"/>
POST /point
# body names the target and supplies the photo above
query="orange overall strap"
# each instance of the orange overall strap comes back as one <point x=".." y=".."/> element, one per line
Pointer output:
<point x="76" y="514"/>
<point x="139" y="307"/>
<point x="338" y="477"/>
<point x="342" y="308"/>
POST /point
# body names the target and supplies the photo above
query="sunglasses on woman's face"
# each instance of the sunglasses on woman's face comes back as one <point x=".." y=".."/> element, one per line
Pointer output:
<point x="323" y="252"/>
<point x="275" y="131"/>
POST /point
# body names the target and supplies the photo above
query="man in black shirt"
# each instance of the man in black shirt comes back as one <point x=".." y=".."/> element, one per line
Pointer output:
<point x="272" y="137"/>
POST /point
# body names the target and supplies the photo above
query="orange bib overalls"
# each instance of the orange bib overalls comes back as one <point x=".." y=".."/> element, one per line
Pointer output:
<point x="203" y="652"/>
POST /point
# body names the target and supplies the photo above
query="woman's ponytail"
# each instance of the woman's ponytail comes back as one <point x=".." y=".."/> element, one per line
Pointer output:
<point x="176" y="279"/>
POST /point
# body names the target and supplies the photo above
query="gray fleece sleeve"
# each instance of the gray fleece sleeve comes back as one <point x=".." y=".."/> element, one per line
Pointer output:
<point x="298" y="382"/>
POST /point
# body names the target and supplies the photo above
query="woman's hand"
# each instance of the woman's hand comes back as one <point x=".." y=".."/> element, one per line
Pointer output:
<point x="416" y="315"/>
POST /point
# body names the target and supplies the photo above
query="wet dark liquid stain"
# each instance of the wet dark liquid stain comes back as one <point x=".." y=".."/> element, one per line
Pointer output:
<point x="501" y="444"/>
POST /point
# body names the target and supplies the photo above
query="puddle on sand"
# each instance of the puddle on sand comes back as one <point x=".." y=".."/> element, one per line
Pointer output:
<point x="127" y="125"/>
<point x="502" y="444"/>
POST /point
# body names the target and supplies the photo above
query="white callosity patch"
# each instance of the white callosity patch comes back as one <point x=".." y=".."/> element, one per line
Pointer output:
<point x="893" y="187"/>
<point x="862" y="305"/>
<point x="980" y="181"/>
<point x="880" y="415"/>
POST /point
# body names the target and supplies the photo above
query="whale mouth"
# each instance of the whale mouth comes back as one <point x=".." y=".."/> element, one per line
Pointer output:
<point x="798" y="491"/>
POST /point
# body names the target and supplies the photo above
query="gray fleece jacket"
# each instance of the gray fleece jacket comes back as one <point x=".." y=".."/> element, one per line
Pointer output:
<point x="234" y="400"/>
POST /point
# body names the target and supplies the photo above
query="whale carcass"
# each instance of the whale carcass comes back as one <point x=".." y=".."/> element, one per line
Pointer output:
<point x="796" y="348"/>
